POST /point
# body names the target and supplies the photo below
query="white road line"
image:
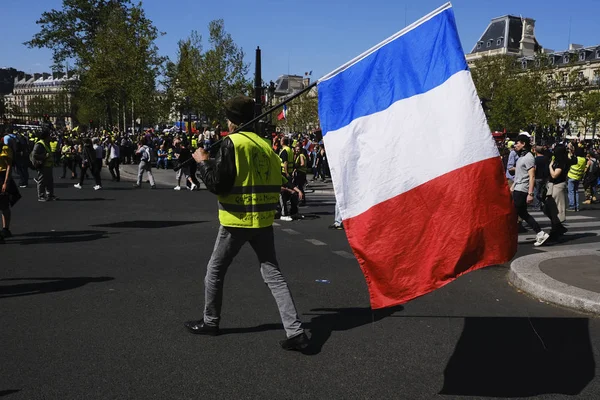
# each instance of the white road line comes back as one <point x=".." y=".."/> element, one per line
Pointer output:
<point x="344" y="254"/>
<point x="316" y="242"/>
<point x="291" y="231"/>
<point x="276" y="224"/>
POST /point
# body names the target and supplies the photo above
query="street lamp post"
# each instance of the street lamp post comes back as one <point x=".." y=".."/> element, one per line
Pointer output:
<point x="189" y="113"/>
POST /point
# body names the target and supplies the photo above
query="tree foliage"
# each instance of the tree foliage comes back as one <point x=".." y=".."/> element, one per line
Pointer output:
<point x="302" y="114"/>
<point x="207" y="78"/>
<point x="517" y="99"/>
<point x="111" y="43"/>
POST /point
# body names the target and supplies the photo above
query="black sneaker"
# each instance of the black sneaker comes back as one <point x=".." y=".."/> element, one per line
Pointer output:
<point x="298" y="342"/>
<point x="5" y="233"/>
<point x="336" y="226"/>
<point x="200" y="328"/>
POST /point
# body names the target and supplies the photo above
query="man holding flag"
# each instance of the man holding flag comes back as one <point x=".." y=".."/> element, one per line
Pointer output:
<point x="406" y="244"/>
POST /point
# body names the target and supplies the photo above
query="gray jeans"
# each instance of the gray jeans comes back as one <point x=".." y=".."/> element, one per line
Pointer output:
<point x="145" y="167"/>
<point x="45" y="182"/>
<point x="228" y="244"/>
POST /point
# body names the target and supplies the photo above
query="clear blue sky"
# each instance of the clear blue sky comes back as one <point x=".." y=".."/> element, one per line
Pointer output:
<point x="299" y="36"/>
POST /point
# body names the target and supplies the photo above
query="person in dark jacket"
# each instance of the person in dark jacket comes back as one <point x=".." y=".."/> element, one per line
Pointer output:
<point x="246" y="175"/>
<point x="88" y="159"/>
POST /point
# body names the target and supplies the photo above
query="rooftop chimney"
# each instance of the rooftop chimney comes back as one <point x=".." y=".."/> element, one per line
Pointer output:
<point x="574" y="46"/>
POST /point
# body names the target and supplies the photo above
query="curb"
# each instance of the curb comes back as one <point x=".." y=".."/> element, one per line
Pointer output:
<point x="525" y="274"/>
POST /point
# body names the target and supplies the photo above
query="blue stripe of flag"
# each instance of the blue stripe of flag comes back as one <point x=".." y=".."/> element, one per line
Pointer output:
<point x="412" y="64"/>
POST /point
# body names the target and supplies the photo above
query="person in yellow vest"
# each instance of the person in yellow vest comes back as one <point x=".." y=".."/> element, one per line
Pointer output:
<point x="42" y="160"/>
<point x="68" y="159"/>
<point x="300" y="170"/>
<point x="287" y="158"/>
<point x="54" y="150"/>
<point x="575" y="175"/>
<point x="194" y="142"/>
<point x="245" y="174"/>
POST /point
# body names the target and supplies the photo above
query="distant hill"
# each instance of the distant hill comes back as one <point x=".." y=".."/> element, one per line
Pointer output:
<point x="7" y="80"/>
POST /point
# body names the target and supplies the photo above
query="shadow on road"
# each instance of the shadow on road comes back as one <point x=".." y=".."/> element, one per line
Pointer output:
<point x="324" y="322"/>
<point x="520" y="357"/>
<point x="47" y="285"/>
<point x="7" y="392"/>
<point x="340" y="319"/>
<point x="57" y="237"/>
<point x="570" y="236"/>
<point x="91" y="199"/>
<point x="146" y="224"/>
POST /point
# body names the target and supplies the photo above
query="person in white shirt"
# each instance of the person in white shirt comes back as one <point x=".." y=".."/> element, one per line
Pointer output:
<point x="113" y="160"/>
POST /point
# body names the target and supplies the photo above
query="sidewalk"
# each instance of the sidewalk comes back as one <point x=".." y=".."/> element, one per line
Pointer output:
<point x="569" y="278"/>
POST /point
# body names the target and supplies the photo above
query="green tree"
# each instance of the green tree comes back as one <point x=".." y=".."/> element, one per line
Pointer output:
<point x="519" y="98"/>
<point x="208" y="77"/>
<point x="302" y="114"/>
<point x="112" y="45"/>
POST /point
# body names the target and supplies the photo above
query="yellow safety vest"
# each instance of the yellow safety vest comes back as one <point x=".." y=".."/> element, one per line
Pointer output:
<point x="66" y="151"/>
<point x="53" y="146"/>
<point x="194" y="143"/>
<point x="48" y="161"/>
<point x="170" y="154"/>
<point x="298" y="164"/>
<point x="576" y="171"/>
<point x="290" y="159"/>
<point x="252" y="201"/>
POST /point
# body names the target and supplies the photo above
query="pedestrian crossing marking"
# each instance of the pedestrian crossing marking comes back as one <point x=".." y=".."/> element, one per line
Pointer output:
<point x="316" y="242"/>
<point x="344" y="254"/>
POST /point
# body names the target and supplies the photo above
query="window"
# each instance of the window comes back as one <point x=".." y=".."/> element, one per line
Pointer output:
<point x="597" y="53"/>
<point x="552" y="60"/>
<point x="580" y="75"/>
<point x="582" y="56"/>
<point x="561" y="102"/>
<point x="478" y="45"/>
<point x="489" y="43"/>
<point x="565" y="77"/>
<point x="524" y="64"/>
<point x="499" y="41"/>
<point x="538" y="62"/>
<point x="566" y="58"/>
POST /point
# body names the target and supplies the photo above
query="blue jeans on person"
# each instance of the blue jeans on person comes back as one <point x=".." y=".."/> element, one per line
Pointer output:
<point x="573" y="188"/>
<point x="338" y="216"/>
<point x="162" y="161"/>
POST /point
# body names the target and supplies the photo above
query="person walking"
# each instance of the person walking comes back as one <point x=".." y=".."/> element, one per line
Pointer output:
<point x="524" y="184"/>
<point x="145" y="165"/>
<point x="88" y="159"/>
<point x="9" y="193"/>
<point x="113" y="159"/>
<point x="43" y="161"/>
<point x="575" y="175"/>
<point x="246" y="176"/>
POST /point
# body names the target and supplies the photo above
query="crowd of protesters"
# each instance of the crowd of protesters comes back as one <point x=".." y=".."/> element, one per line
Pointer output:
<point x="547" y="178"/>
<point x="83" y="155"/>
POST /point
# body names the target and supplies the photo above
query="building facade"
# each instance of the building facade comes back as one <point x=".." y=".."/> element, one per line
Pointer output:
<point x="568" y="72"/>
<point x="38" y="95"/>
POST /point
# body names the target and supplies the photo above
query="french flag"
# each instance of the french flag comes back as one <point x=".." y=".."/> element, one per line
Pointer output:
<point x="416" y="173"/>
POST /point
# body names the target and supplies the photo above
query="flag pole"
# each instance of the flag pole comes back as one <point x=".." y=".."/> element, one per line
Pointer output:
<point x="255" y="119"/>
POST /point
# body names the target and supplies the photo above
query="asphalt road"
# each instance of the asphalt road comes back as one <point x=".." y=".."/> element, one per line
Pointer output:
<point x="95" y="288"/>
